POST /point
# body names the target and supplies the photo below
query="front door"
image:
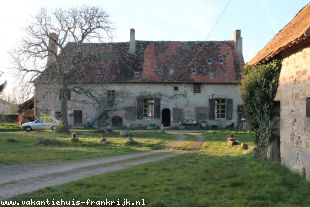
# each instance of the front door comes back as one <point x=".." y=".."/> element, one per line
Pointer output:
<point x="165" y="117"/>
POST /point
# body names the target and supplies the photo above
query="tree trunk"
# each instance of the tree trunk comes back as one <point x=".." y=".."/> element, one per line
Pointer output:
<point x="64" y="110"/>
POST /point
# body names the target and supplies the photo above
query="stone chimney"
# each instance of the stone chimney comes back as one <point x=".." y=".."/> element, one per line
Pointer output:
<point x="52" y="48"/>
<point x="238" y="41"/>
<point x="132" y="44"/>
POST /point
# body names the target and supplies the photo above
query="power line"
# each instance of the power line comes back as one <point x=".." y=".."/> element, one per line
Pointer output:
<point x="218" y="19"/>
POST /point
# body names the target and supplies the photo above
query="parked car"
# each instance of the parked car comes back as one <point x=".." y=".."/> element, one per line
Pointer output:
<point x="40" y="124"/>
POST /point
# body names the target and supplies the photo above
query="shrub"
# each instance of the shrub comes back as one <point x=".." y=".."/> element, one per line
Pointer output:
<point x="258" y="89"/>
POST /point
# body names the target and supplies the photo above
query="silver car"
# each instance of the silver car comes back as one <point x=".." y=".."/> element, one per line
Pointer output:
<point x="40" y="124"/>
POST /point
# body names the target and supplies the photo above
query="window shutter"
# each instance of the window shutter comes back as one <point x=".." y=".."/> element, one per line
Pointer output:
<point x="177" y="115"/>
<point x="211" y="109"/>
<point x="229" y="109"/>
<point x="157" y="108"/>
<point x="140" y="108"/>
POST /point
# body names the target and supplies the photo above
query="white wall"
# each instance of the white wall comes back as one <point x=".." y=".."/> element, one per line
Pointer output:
<point x="127" y="93"/>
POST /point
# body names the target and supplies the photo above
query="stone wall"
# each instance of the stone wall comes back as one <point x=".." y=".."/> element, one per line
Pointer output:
<point x="192" y="104"/>
<point x="293" y="90"/>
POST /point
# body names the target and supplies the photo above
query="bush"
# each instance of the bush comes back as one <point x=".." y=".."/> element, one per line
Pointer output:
<point x="258" y="89"/>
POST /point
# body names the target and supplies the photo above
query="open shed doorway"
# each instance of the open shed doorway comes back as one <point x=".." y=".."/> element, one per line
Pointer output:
<point x="166" y="117"/>
<point x="77" y="118"/>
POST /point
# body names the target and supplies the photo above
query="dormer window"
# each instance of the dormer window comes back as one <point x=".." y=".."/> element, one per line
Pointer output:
<point x="211" y="74"/>
<point x="171" y="71"/>
<point x="98" y="69"/>
<point x="221" y="60"/>
<point x="209" y="61"/>
<point x="194" y="71"/>
<point x="158" y="70"/>
<point x="137" y="74"/>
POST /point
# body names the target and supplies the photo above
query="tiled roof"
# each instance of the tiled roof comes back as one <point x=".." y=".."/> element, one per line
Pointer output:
<point x="29" y="104"/>
<point x="293" y="33"/>
<point x="162" y="61"/>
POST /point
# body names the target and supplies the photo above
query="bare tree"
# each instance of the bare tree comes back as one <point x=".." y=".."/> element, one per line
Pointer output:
<point x="2" y="85"/>
<point x="39" y="59"/>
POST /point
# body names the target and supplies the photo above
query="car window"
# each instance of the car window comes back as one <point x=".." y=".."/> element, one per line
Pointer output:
<point x="38" y="121"/>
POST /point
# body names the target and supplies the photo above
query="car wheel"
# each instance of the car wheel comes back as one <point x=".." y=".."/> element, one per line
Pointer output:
<point x="28" y="129"/>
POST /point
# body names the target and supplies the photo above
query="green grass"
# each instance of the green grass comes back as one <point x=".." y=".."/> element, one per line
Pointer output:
<point x="196" y="180"/>
<point x="9" y="126"/>
<point x="216" y="142"/>
<point x="217" y="176"/>
<point x="26" y="147"/>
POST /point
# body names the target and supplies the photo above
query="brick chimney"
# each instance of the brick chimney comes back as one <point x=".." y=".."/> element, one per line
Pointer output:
<point x="132" y="44"/>
<point x="238" y="41"/>
<point x="52" y="48"/>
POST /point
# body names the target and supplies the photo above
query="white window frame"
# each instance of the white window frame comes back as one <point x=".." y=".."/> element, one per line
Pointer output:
<point x="149" y="108"/>
<point x="220" y="109"/>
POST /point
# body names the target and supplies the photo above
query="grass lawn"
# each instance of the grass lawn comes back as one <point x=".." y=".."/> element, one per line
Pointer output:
<point x="218" y="175"/>
<point x="24" y="147"/>
<point x="9" y="126"/>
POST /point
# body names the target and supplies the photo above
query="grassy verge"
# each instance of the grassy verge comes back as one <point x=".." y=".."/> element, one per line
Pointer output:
<point x="9" y="127"/>
<point x="25" y="147"/>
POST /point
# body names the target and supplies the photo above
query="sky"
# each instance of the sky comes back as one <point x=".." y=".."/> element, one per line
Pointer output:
<point x="184" y="20"/>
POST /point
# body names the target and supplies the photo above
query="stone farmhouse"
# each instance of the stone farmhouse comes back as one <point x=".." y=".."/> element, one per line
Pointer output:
<point x="291" y="45"/>
<point x="154" y="83"/>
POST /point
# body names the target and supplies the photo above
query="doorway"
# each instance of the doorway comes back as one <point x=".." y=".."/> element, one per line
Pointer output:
<point x="165" y="117"/>
<point x="77" y="118"/>
<point x="273" y="151"/>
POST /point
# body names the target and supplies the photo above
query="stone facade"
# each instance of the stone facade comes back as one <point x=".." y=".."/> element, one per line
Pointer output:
<point x="178" y="103"/>
<point x="293" y="92"/>
<point x="7" y="108"/>
<point x="291" y="45"/>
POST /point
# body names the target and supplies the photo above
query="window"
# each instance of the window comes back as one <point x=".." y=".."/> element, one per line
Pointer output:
<point x="58" y="115"/>
<point x="158" y="70"/>
<point x="148" y="108"/>
<point x="210" y="74"/>
<point x="308" y="107"/>
<point x="221" y="60"/>
<point x="98" y="69"/>
<point x="176" y="88"/>
<point x="194" y="70"/>
<point x="137" y="74"/>
<point x="209" y="61"/>
<point x="111" y="98"/>
<point x="197" y="88"/>
<point x="171" y="71"/>
<point x="220" y="108"/>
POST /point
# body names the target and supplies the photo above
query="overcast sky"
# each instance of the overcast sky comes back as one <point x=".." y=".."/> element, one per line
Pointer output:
<point x="188" y="20"/>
